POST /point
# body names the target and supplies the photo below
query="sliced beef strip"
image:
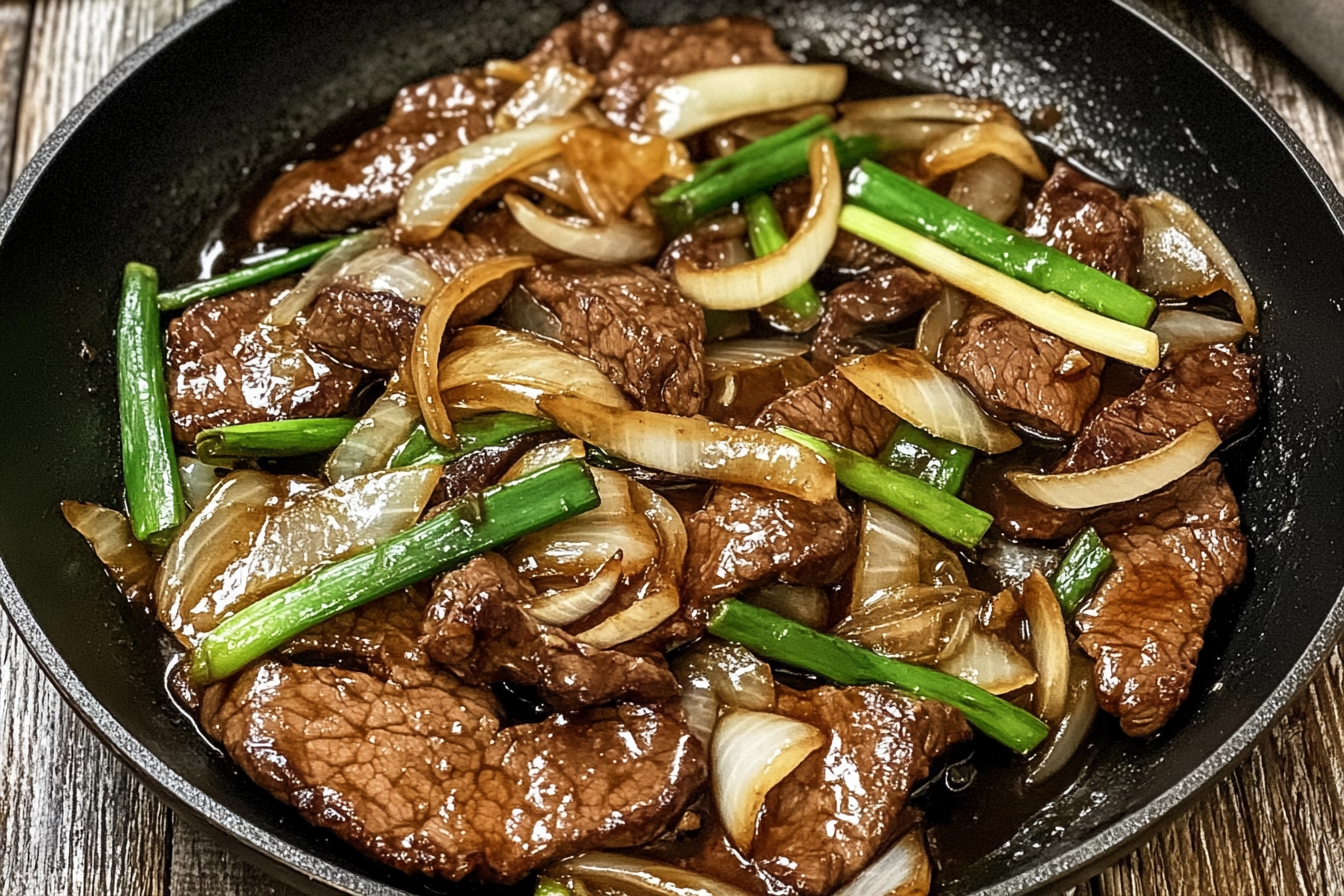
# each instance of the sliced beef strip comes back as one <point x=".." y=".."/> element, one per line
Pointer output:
<point x="423" y="778"/>
<point x="1021" y="373"/>
<point x="647" y="57"/>
<point x="362" y="328"/>
<point x="476" y="626"/>
<point x="633" y="324"/>
<point x="1175" y="552"/>
<point x="587" y="41"/>
<point x="716" y="242"/>
<point x="882" y="298"/>
<point x="850" y="256"/>
<point x="499" y="228"/>
<point x="364" y="182"/>
<point x="1216" y="383"/>
<point x="1089" y="221"/>
<point x="832" y="408"/>
<point x="224" y="367"/>
<point x="451" y="253"/>
<point x="381" y="637"/>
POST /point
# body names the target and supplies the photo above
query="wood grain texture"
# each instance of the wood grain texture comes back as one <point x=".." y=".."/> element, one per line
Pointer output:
<point x="73" y="821"/>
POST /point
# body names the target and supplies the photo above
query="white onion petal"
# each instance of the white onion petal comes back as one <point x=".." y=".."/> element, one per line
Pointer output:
<point x="1181" y="330"/>
<point x="990" y="662"/>
<point x="110" y="535"/>
<point x="941" y="317"/>
<point x="375" y="437"/>
<point x="388" y="269"/>
<point x="572" y="604"/>
<point x="714" y="673"/>
<point x="944" y="107"/>
<point x="198" y="480"/>
<point x="553" y="90"/>
<point x="730" y="355"/>
<point x="1124" y="481"/>
<point x="751" y="753"/>
<point x="888" y="553"/>
<point x="977" y="141"/>
<point x="323" y="272"/>
<point x="1049" y="647"/>
<point x="903" y="870"/>
<point x="579" y="546"/>
<point x="689" y="104"/>
<point x="990" y="186"/>
<point x="545" y="455"/>
<point x="619" y="241"/>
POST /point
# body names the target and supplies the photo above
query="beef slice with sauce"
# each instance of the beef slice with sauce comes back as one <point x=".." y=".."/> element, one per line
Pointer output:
<point x="1176" y="551"/>
<point x="363" y="182"/>
<point x="1021" y="373"/>
<point x="225" y="367"/>
<point x="632" y="323"/>
<point x="360" y="327"/>
<point x="423" y="777"/>
<point x="381" y="637"/>
<point x="477" y="627"/>
<point x="832" y="408"/>
<point x="587" y="41"/>
<point x="879" y="299"/>
<point x="712" y="243"/>
<point x="1088" y="221"/>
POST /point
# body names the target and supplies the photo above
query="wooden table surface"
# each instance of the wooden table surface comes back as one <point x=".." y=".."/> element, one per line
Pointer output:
<point x="73" y="820"/>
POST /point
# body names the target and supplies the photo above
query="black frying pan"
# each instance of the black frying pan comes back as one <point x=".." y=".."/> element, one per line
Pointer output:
<point x="149" y="165"/>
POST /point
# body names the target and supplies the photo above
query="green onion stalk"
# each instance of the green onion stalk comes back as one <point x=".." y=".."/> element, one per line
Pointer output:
<point x="473" y="433"/>
<point x="939" y="462"/>
<point x="798" y="311"/>
<point x="272" y="438"/>
<point x="248" y="275"/>
<point x="1082" y="567"/>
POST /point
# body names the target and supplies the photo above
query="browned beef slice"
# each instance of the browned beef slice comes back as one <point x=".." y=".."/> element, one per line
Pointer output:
<point x="1175" y="552"/>
<point x="1216" y="383"/>
<point x="713" y="243"/>
<point x="477" y="627"/>
<point x="365" y="329"/>
<point x="422" y="778"/>
<point x="832" y="408"/>
<point x="850" y="256"/>
<point x="876" y="300"/>
<point x="1021" y="373"/>
<point x="1014" y="513"/>
<point x="648" y="56"/>
<point x="1089" y="221"/>
<point x="364" y="182"/>
<point x="633" y="324"/>
<point x="382" y="637"/>
<point x="587" y="41"/>
<point x="225" y="368"/>
<point x="451" y="253"/>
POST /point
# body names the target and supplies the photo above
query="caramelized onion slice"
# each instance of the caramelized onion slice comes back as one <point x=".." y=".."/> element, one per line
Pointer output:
<point x="581" y="545"/>
<point x="729" y="355"/>
<point x="894" y="552"/>
<point x="903" y="870"/>
<point x="555" y="89"/>
<point x="545" y="455"/>
<point x="990" y="662"/>
<point x="1049" y="646"/>
<point x="713" y="674"/>
<point x="691" y="446"/>
<point x="1071" y="733"/>
<point x="761" y="281"/>
<point x="990" y="186"/>
<point x="917" y="623"/>
<point x="654" y="606"/>
<point x="689" y="104"/>
<point x="941" y="317"/>
<point x="572" y="604"/>
<point x="388" y="269"/>
<point x="1124" y="481"/>
<point x="904" y="382"/>
<point x="109" y="534"/>
<point x="945" y="107"/>
<point x="751" y="753"/>
<point x="1180" y="330"/>
<point x="441" y="190"/>
<point x="639" y="876"/>
<point x="977" y="141"/>
<point x="612" y="167"/>
<point x="198" y="480"/>
<point x="618" y="241"/>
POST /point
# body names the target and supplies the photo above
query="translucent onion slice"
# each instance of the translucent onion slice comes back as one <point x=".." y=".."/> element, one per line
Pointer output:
<point x="507" y="70"/>
<point x="904" y="382"/>
<point x="543" y="456"/>
<point x="888" y="553"/>
<point x="612" y="167"/>
<point x="896" y="135"/>
<point x="427" y="343"/>
<point x="752" y="752"/>
<point x="990" y="186"/>
<point x="732" y="355"/>
<point x="1181" y="330"/>
<point x="763" y="280"/>
<point x="198" y="480"/>
<point x="555" y="89"/>
<point x="523" y="312"/>
<point x="441" y="190"/>
<point x="916" y="623"/>
<point x="928" y="107"/>
<point x="1124" y="481"/>
<point x="991" y="663"/>
<point x="654" y="606"/>
<point x="293" y="302"/>
<point x="553" y="179"/>
<point x="801" y="603"/>
<point x="619" y="241"/>
<point x="689" y="104"/>
<point x="388" y="269"/>
<point x="1049" y="647"/>
<point x="109" y="534"/>
<point x="579" y="546"/>
<point x="1071" y="733"/>
<point x="694" y="447"/>
<point x="375" y="437"/>
<point x="976" y="141"/>
<point x="941" y="317"/>
<point x="638" y="876"/>
<point x="572" y="604"/>
<point x="713" y="674"/>
<point x="903" y="870"/>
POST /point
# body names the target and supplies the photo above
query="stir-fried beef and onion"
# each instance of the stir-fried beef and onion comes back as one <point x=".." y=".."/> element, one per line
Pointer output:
<point x="635" y="466"/>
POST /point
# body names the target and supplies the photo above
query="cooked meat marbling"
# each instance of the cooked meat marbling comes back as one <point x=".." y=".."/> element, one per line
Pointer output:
<point x="360" y="328"/>
<point x="587" y="41"/>
<point x="876" y="300"/>
<point x="832" y="408"/>
<point x="1089" y="221"/>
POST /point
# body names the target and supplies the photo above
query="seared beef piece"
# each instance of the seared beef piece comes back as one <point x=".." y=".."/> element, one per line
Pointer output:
<point x="1021" y="373"/>
<point x="739" y="396"/>
<point x="587" y="41"/>
<point x="649" y="56"/>
<point x="477" y="627"/>
<point x="451" y="253"/>
<point x="381" y="637"/>
<point x="713" y="243"/>
<point x="843" y="803"/>
<point x="850" y="256"/>
<point x="832" y="408"/>
<point x="879" y="299"/>
<point x="364" y="182"/>
<point x="1175" y="552"/>
<point x="423" y="778"/>
<point x="225" y="368"/>
<point x="1216" y="383"/>
<point x="1089" y="221"/>
<point x="365" y="329"/>
<point x="633" y="324"/>
<point x="1014" y="513"/>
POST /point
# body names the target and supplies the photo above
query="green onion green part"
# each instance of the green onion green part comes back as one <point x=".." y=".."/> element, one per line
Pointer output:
<point x="884" y="192"/>
<point x="149" y="462"/>
<point x="941" y="513"/>
<point x="473" y="433"/>
<point x="798" y="310"/>
<point x="794" y="644"/>
<point x="248" y="275"/>
<point x="939" y="462"/>
<point x="273" y="438"/>
<point x="1084" y="563"/>
<point x="752" y="151"/>
<point x="478" y="523"/>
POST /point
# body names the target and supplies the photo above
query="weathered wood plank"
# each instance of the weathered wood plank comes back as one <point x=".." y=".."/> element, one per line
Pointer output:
<point x="201" y="868"/>
<point x="15" y="16"/>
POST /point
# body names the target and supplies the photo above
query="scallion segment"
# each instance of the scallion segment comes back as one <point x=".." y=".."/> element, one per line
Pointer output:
<point x="149" y="463"/>
<point x="473" y="433"/>
<point x="884" y="192"/>
<point x="549" y="886"/>
<point x="939" y="462"/>
<point x="1083" y="565"/>
<point x="273" y="438"/>
<point x="798" y="310"/>
<point x="754" y="150"/>
<point x="497" y="515"/>
<point x="794" y="644"/>
<point x="941" y="513"/>
<point x="247" y="275"/>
